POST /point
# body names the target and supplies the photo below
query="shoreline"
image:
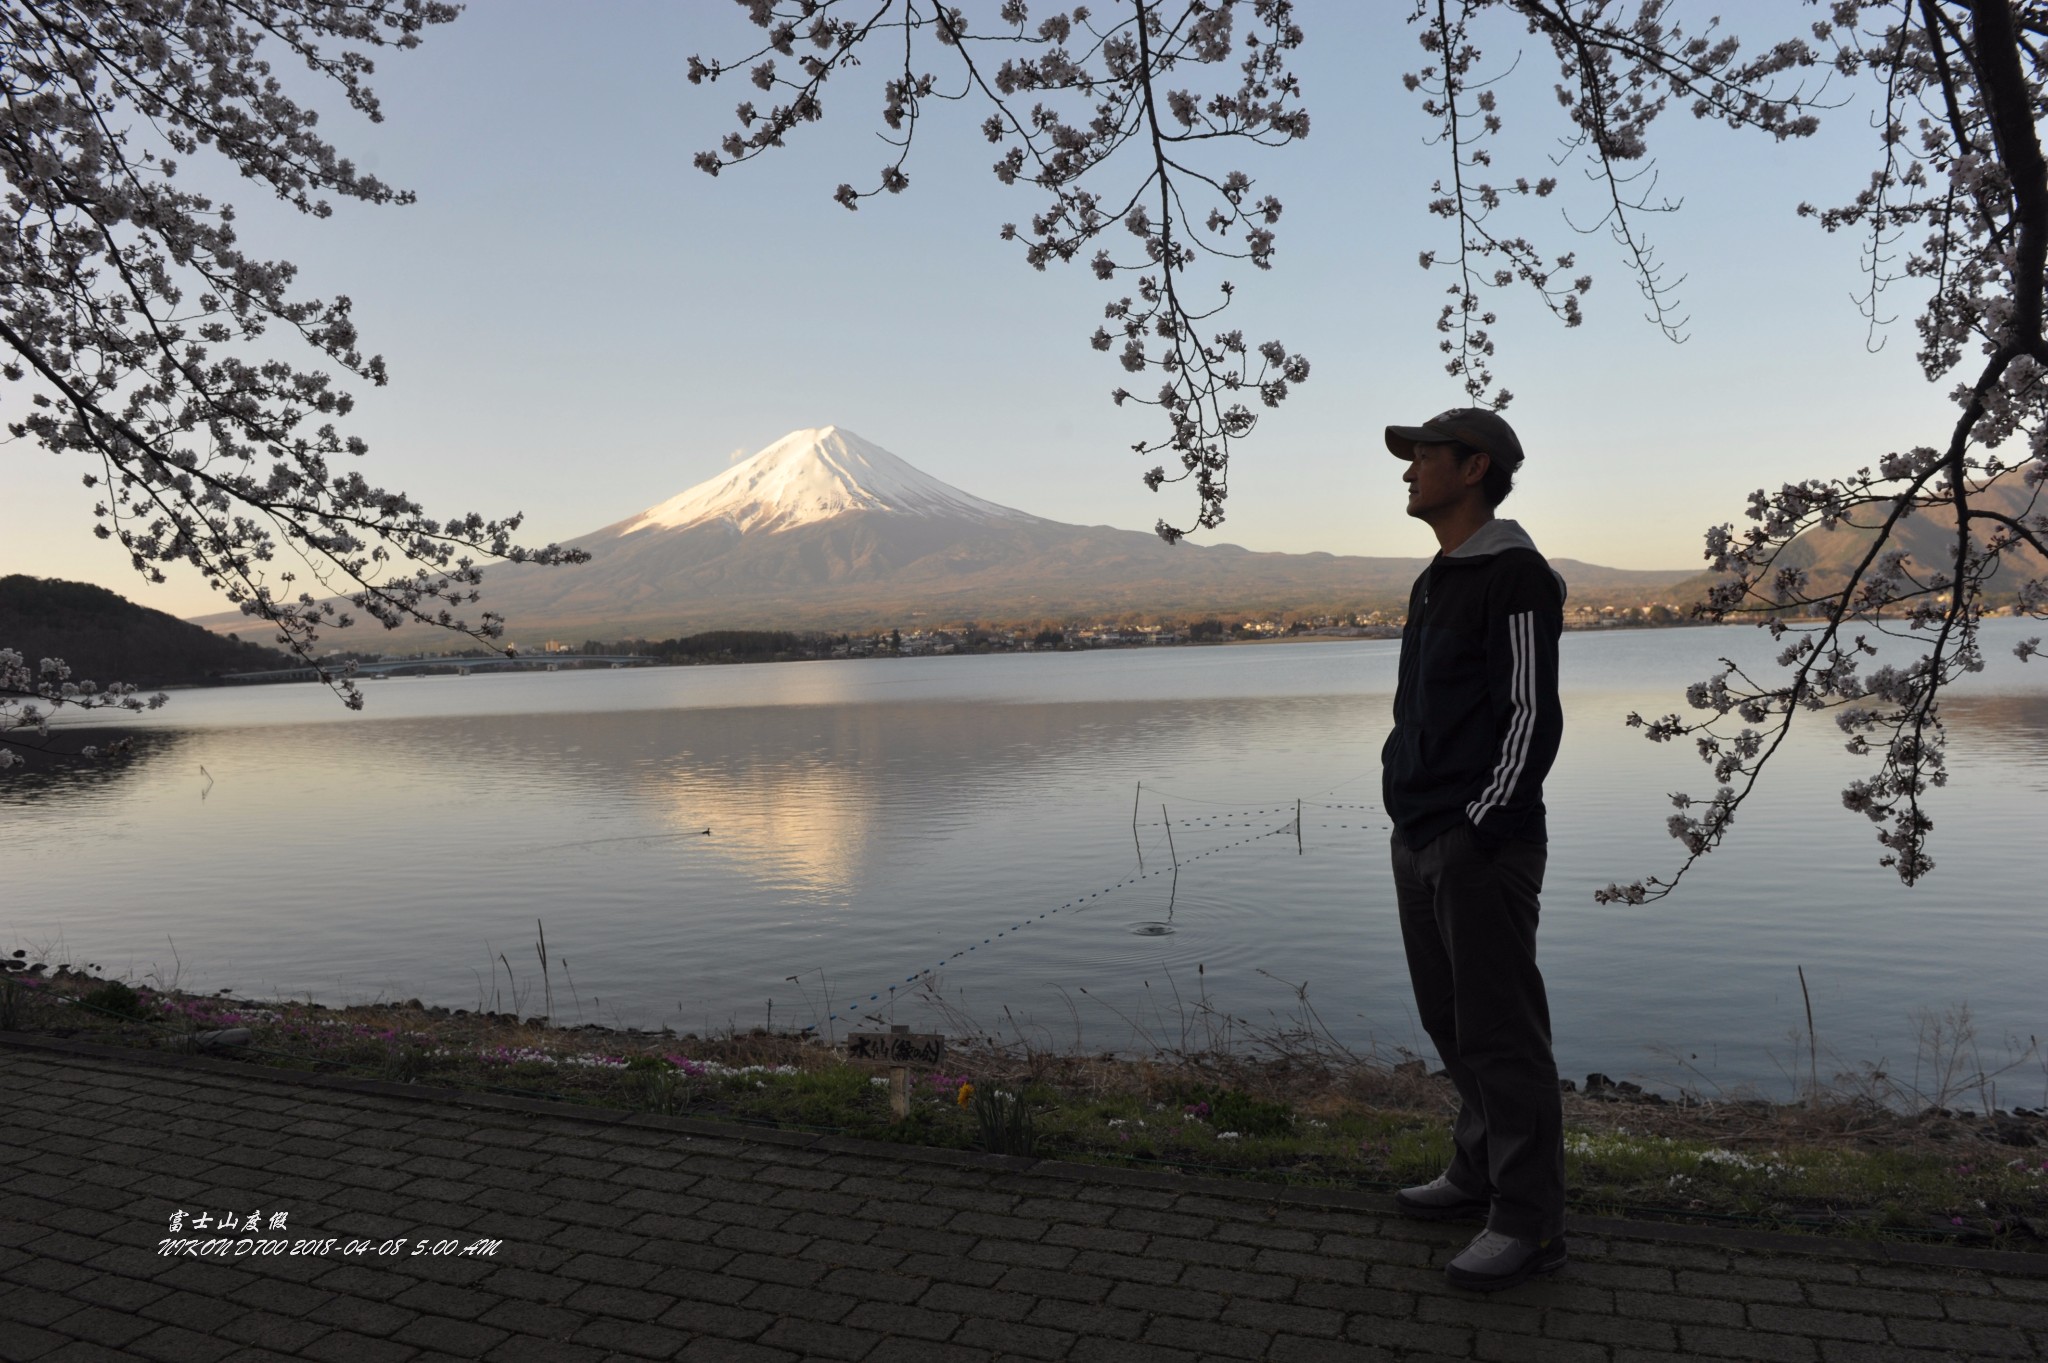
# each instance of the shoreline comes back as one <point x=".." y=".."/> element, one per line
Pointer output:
<point x="1289" y="1106"/>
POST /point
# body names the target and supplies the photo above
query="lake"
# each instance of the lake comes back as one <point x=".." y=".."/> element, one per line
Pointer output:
<point x="973" y="818"/>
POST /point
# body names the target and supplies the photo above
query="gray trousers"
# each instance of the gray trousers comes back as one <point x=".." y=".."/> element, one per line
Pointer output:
<point x="1468" y="921"/>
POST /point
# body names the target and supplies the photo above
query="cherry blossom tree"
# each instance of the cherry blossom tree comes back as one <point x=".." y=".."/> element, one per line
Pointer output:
<point x="1127" y="105"/>
<point x="137" y="330"/>
<point x="27" y="698"/>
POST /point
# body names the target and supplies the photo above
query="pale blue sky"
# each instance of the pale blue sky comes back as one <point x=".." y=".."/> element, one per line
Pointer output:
<point x="579" y="324"/>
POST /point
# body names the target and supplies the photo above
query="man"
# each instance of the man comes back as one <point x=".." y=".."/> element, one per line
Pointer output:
<point x="1476" y="724"/>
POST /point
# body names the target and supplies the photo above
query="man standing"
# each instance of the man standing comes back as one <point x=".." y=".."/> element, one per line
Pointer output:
<point x="1476" y="724"/>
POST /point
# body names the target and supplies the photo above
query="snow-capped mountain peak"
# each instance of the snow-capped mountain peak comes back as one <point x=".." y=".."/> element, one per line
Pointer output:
<point x="810" y="476"/>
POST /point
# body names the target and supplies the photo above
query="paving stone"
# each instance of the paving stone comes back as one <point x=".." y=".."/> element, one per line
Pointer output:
<point x="534" y="1349"/>
<point x="1669" y="1255"/>
<point x="1123" y="1351"/>
<point x="779" y="1299"/>
<point x="1610" y="1329"/>
<point x="268" y="1331"/>
<point x="1171" y="1301"/>
<point x="1450" y="1338"/>
<point x="797" y="1272"/>
<point x="2025" y="1289"/>
<point x="814" y="1339"/>
<point x="939" y="1268"/>
<point x="32" y="1306"/>
<point x="704" y="1318"/>
<point x="1851" y="1351"/>
<point x="925" y="1351"/>
<point x="361" y="1316"/>
<point x="442" y="1300"/>
<point x="1315" y="1268"/>
<point x="1807" y="1320"/>
<point x="1201" y="1251"/>
<point x="1925" y="1279"/>
<point x="358" y="1280"/>
<point x="1040" y="1282"/>
<point x="1125" y="1196"/>
<point x="1503" y="1348"/>
<point x="345" y="1346"/>
<point x="1083" y="1318"/>
<point x="896" y="1318"/>
<point x="1294" y="1349"/>
<point x="98" y="1325"/>
<point x="1238" y="1284"/>
<point x="1204" y="1337"/>
<point x="175" y="1344"/>
<point x="642" y="1339"/>
<point x="1748" y="1345"/>
<point x="1972" y="1341"/>
<point x="26" y="1344"/>
<point x="602" y="1268"/>
<point x="923" y="1241"/>
<point x="1745" y="1287"/>
<point x="1028" y="1255"/>
<point x="1997" y="1311"/>
<point x="193" y="1312"/>
<point x="1679" y="1310"/>
<point x="463" y="1337"/>
<point x="81" y="1351"/>
<point x="770" y="1242"/>
<point x="1092" y="1237"/>
<point x="986" y="1303"/>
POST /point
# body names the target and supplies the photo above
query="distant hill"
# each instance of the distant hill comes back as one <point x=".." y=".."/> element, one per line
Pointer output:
<point x="826" y="530"/>
<point x="1927" y="537"/>
<point x="107" y="638"/>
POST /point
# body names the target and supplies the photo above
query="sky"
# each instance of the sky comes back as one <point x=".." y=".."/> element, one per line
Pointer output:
<point x="579" y="324"/>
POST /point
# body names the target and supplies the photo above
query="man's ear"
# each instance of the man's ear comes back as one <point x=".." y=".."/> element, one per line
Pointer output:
<point x="1473" y="471"/>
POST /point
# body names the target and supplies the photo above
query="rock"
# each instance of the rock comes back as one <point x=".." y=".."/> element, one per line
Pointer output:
<point x="2015" y="1133"/>
<point x="1567" y="1086"/>
<point x="1414" y="1069"/>
<point x="222" y="1040"/>
<point x="1597" y="1081"/>
<point x="1626" y="1087"/>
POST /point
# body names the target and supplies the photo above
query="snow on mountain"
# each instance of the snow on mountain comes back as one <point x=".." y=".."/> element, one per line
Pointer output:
<point x="852" y="537"/>
<point x="811" y="476"/>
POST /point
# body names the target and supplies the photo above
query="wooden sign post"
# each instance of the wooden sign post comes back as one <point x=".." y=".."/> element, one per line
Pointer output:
<point x="898" y="1048"/>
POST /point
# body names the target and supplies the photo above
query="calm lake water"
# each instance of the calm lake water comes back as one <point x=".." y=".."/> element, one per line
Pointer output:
<point x="872" y="819"/>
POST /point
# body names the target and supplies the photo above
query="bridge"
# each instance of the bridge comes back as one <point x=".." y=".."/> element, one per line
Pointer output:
<point x="446" y="667"/>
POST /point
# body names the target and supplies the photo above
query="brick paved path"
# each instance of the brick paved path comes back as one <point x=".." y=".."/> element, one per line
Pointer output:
<point x="649" y="1239"/>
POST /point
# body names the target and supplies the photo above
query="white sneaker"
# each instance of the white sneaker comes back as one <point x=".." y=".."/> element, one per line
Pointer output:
<point x="1494" y="1261"/>
<point x="1441" y="1200"/>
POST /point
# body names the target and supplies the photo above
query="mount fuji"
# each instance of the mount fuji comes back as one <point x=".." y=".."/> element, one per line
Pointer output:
<point x="824" y="529"/>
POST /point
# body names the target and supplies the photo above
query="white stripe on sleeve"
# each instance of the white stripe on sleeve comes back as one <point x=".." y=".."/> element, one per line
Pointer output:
<point x="1514" y="751"/>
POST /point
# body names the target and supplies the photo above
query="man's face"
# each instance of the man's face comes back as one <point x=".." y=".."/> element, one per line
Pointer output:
<point x="1440" y="478"/>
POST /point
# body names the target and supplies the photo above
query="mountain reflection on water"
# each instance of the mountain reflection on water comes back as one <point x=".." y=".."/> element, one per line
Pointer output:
<point x="870" y="821"/>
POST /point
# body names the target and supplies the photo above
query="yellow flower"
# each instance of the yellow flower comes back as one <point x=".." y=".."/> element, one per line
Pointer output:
<point x="966" y="1092"/>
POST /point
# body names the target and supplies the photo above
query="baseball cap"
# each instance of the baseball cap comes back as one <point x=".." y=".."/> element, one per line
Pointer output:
<point x="1473" y="427"/>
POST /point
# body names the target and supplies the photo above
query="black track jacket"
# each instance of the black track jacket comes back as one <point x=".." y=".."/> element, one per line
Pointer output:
<point x="1476" y="714"/>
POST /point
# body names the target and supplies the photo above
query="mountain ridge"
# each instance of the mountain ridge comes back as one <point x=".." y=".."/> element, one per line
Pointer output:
<point x="826" y="530"/>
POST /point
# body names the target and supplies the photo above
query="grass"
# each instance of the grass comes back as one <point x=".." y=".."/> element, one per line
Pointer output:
<point x="1869" y="1156"/>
